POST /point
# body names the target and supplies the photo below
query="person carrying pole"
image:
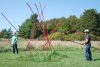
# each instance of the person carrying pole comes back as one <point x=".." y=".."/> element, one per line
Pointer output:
<point x="87" y="49"/>
<point x="14" y="42"/>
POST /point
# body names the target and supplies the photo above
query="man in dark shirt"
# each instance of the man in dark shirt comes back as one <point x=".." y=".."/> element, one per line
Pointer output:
<point x="87" y="50"/>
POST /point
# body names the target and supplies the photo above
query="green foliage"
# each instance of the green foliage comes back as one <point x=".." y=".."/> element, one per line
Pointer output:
<point x="98" y="38"/>
<point x="4" y="49"/>
<point x="93" y="37"/>
<point x="72" y="22"/>
<point x="76" y="36"/>
<point x="5" y="33"/>
<point x="79" y="36"/>
<point x="69" y="25"/>
<point x="55" y="36"/>
<point x="1" y="34"/>
<point x="97" y="30"/>
<point x="52" y="23"/>
<point x="89" y="20"/>
<point x="26" y="29"/>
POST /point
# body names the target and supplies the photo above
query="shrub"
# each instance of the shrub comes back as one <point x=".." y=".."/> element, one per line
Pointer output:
<point x="55" y="36"/>
<point x="93" y="37"/>
<point x="4" y="49"/>
<point x="75" y="36"/>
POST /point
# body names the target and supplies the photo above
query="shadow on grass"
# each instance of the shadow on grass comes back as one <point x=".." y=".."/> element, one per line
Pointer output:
<point x="97" y="59"/>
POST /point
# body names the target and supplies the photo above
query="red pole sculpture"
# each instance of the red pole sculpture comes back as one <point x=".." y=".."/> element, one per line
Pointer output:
<point x="35" y="23"/>
<point x="38" y="12"/>
<point x="45" y="30"/>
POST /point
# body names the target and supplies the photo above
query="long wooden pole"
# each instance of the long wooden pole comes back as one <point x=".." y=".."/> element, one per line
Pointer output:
<point x="30" y="8"/>
<point x="9" y="21"/>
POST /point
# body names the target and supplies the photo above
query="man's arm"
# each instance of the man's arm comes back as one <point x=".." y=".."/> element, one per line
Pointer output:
<point x="11" y="41"/>
<point x="85" y="42"/>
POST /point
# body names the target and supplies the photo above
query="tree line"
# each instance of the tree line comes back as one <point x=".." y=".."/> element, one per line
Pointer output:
<point x="5" y="33"/>
<point x="90" y="19"/>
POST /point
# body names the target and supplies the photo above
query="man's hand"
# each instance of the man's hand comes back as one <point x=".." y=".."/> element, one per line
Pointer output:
<point x="82" y="43"/>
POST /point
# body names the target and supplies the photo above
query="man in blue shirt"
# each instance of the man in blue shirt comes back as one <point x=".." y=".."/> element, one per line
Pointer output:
<point x="87" y="50"/>
<point x="14" y="42"/>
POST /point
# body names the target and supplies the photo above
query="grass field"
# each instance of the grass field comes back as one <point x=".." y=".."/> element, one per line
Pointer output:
<point x="66" y="57"/>
<point x="65" y="54"/>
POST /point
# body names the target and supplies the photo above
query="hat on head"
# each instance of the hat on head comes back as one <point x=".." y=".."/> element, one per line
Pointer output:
<point x="86" y="31"/>
<point x="13" y="33"/>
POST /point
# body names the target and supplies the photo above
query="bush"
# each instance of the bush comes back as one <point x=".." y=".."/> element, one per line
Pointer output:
<point x="79" y="36"/>
<point x="60" y="36"/>
<point x="75" y="36"/>
<point x="55" y="36"/>
<point x="93" y="37"/>
<point x="98" y="38"/>
<point x="4" y="49"/>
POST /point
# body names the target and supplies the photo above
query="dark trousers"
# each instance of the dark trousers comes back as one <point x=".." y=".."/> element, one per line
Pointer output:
<point x="15" y="49"/>
<point x="87" y="52"/>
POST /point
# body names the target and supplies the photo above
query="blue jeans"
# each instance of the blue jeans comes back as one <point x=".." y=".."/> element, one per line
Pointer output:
<point x="87" y="52"/>
<point x="15" y="49"/>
